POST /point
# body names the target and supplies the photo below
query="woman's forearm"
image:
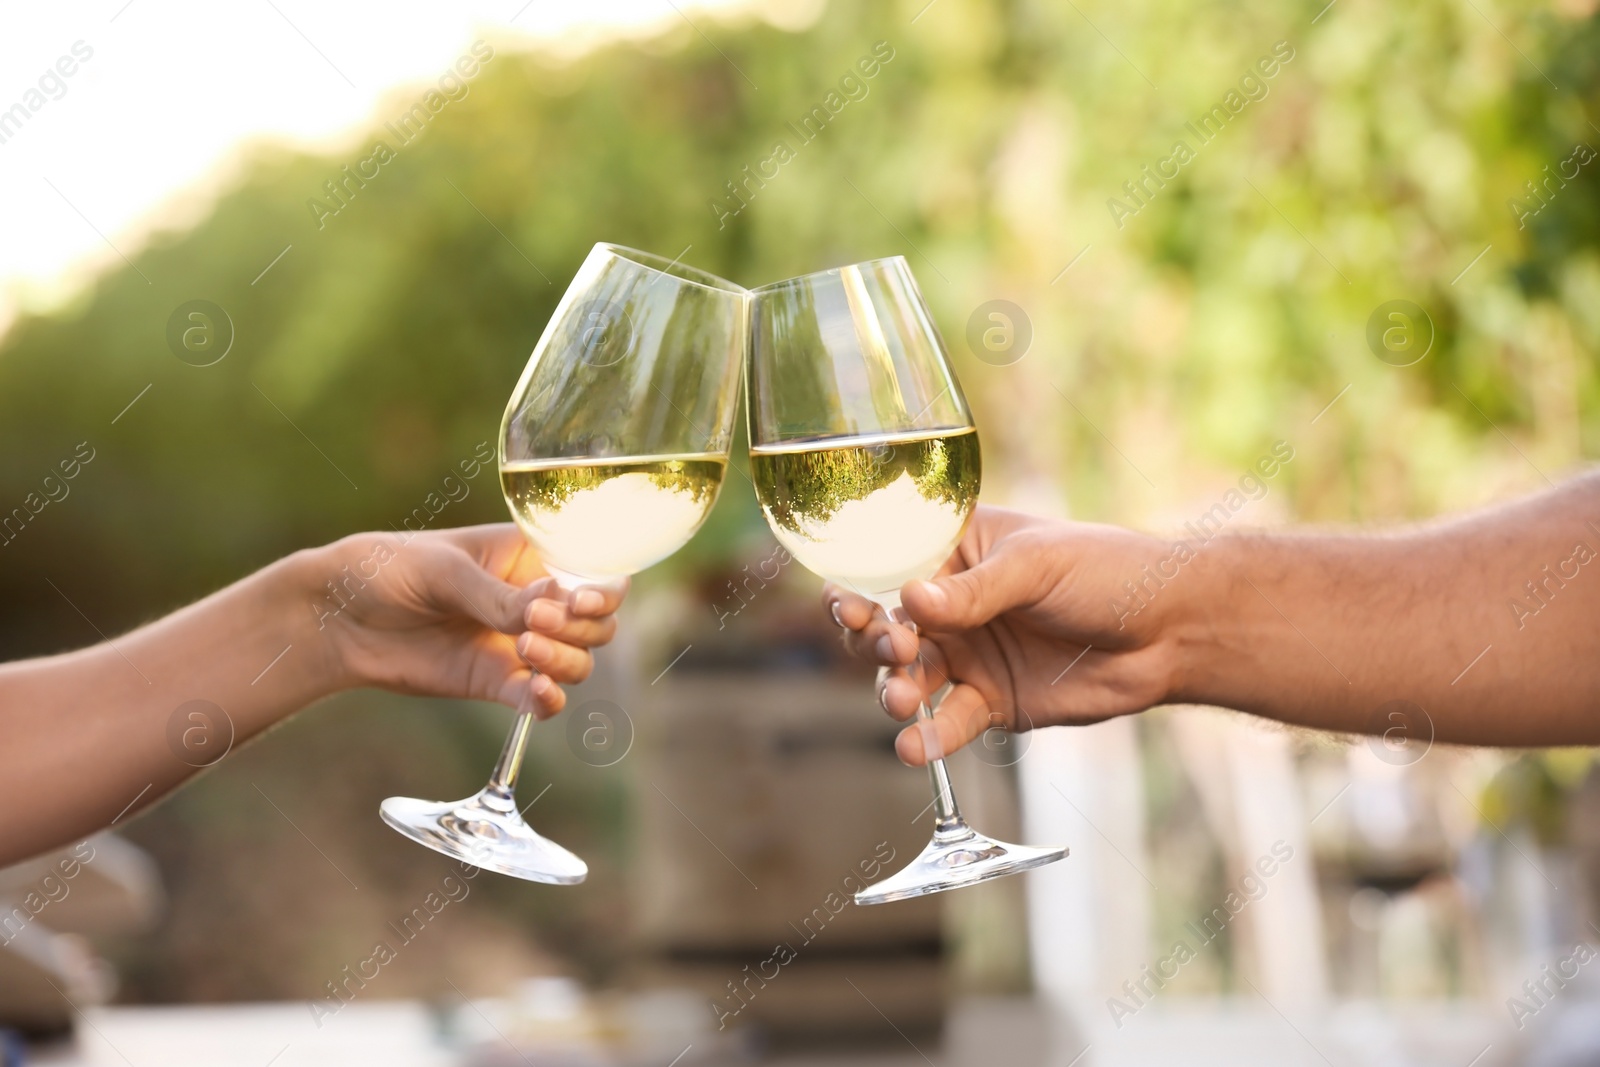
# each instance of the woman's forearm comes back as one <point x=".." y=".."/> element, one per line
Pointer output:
<point x="1487" y="623"/>
<point x="106" y="730"/>
<point x="468" y="614"/>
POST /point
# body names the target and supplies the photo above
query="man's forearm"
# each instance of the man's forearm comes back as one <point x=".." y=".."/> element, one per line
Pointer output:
<point x="96" y="729"/>
<point x="1488" y="623"/>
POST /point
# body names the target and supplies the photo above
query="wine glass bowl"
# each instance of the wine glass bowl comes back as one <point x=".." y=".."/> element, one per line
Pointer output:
<point x="871" y="512"/>
<point x="612" y="453"/>
<point x="867" y="467"/>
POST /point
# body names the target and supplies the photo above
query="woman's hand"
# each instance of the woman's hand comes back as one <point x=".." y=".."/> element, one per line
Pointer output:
<point x="468" y="612"/>
<point x="1031" y="625"/>
<point x="465" y="613"/>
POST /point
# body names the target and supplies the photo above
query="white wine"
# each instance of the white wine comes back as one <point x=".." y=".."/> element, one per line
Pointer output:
<point x="871" y="512"/>
<point x="611" y="517"/>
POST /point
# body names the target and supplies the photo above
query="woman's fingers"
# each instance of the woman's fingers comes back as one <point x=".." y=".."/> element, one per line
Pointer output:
<point x="503" y="566"/>
<point x="456" y="582"/>
<point x="562" y="627"/>
<point x="528" y="690"/>
<point x="962" y="716"/>
<point x="499" y="547"/>
<point x="549" y="698"/>
<point x="481" y="541"/>
<point x="597" y="599"/>
<point x="563" y="663"/>
<point x="554" y="619"/>
<point x="498" y="672"/>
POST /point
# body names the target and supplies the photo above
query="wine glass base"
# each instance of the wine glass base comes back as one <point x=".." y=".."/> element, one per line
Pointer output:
<point x="486" y="831"/>
<point x="952" y="861"/>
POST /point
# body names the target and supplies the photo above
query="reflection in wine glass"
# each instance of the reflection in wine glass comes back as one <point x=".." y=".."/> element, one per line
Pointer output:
<point x="612" y="452"/>
<point x="867" y="466"/>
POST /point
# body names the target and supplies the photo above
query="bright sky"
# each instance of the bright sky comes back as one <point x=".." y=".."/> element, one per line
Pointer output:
<point x="174" y="86"/>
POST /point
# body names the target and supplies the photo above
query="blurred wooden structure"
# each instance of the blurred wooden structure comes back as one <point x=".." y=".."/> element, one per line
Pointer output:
<point x="763" y="801"/>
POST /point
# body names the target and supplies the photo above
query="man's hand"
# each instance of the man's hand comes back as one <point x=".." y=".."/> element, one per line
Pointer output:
<point x="1022" y="623"/>
<point x="1479" y="629"/>
<point x="467" y="612"/>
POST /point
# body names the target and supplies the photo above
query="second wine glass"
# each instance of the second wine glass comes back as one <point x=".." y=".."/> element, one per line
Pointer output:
<point x="866" y="462"/>
<point x="612" y="453"/>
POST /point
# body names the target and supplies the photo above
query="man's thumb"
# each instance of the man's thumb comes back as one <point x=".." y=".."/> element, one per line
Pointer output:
<point x="971" y="598"/>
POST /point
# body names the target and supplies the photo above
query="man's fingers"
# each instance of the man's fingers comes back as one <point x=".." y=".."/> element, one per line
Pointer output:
<point x="961" y="716"/>
<point x="869" y="633"/>
<point x="900" y="694"/>
<point x="970" y="598"/>
<point x="851" y="611"/>
<point x="888" y="644"/>
<point x="903" y="688"/>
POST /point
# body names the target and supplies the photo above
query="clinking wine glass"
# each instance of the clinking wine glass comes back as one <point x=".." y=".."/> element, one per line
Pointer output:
<point x="866" y="463"/>
<point x="612" y="453"/>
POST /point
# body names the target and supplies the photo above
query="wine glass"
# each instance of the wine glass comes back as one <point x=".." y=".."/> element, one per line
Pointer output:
<point x="866" y="463"/>
<point x="612" y="452"/>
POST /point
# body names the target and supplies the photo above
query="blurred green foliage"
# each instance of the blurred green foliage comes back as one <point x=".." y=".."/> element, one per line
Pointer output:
<point x="1225" y="313"/>
<point x="1228" y="312"/>
<point x="1533" y="791"/>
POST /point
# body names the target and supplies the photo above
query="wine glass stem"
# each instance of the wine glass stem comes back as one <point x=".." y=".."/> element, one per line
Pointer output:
<point x="948" y="822"/>
<point x="947" y="815"/>
<point x="503" y="781"/>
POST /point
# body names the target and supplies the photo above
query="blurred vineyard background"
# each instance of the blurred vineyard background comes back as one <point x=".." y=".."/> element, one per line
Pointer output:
<point x="1226" y="315"/>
